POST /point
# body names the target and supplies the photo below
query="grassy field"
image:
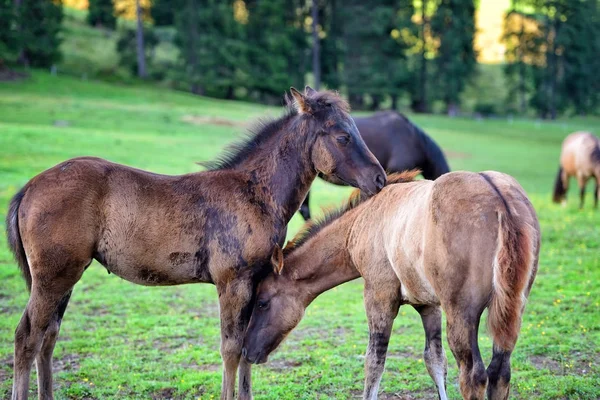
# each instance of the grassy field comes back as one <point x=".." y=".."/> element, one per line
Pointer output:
<point x="124" y="341"/>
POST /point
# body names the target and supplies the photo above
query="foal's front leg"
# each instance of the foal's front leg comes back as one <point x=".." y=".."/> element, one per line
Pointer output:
<point x="381" y="303"/>
<point x="234" y="299"/>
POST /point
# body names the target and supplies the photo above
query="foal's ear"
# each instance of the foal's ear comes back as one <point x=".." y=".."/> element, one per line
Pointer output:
<point x="300" y="101"/>
<point x="308" y="91"/>
<point x="277" y="259"/>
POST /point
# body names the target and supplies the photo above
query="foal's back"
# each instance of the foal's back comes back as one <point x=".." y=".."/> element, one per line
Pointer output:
<point x="440" y="235"/>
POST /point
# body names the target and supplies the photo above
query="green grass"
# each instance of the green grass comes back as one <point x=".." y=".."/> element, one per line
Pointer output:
<point x="124" y="341"/>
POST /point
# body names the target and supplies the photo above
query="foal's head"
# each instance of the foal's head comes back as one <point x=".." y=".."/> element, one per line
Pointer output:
<point x="337" y="149"/>
<point x="278" y="309"/>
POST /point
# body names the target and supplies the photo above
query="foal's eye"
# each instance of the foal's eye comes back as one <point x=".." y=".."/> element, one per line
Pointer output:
<point x="344" y="139"/>
<point x="262" y="304"/>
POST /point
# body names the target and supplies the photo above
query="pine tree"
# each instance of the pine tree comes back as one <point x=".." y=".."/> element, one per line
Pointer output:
<point x="567" y="76"/>
<point x="277" y="47"/>
<point x="127" y="49"/>
<point x="163" y="12"/>
<point x="375" y="40"/>
<point x="101" y="13"/>
<point x="418" y="85"/>
<point x="523" y="40"/>
<point x="453" y="25"/>
<point x="582" y="55"/>
<point x="8" y="34"/>
<point x="39" y="25"/>
<point x="332" y="46"/>
<point x="212" y="48"/>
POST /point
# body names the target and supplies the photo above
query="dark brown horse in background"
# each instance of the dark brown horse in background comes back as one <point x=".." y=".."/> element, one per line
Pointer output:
<point x="217" y="227"/>
<point x="462" y="243"/>
<point x="399" y="145"/>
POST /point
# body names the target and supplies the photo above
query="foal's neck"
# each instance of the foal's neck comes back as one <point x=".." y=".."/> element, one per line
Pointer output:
<point x="323" y="262"/>
<point x="282" y="171"/>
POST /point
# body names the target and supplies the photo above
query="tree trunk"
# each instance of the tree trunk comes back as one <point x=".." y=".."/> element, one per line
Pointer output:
<point x="422" y="106"/>
<point x="522" y="88"/>
<point x="394" y="102"/>
<point x="375" y="102"/>
<point x="229" y="95"/>
<point x="316" y="50"/>
<point x="21" y="58"/>
<point x="452" y="109"/>
<point x="356" y="101"/>
<point x="139" y="35"/>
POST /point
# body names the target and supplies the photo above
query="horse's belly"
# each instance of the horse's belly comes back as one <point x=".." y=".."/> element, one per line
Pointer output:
<point x="151" y="269"/>
<point x="414" y="285"/>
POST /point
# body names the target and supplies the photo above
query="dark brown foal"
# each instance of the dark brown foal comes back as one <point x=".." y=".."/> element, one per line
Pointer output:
<point x="218" y="226"/>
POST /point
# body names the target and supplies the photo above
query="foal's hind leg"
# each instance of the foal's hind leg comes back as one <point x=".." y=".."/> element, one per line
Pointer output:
<point x="597" y="192"/>
<point x="462" y="337"/>
<point x="434" y="355"/>
<point x="382" y="303"/>
<point x="44" y="357"/>
<point x="50" y="289"/>
<point x="499" y="375"/>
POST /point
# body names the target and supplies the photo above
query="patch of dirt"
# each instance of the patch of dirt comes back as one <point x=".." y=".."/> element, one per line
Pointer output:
<point x="282" y="365"/>
<point x="61" y="123"/>
<point x="405" y="395"/>
<point x="170" y="344"/>
<point x="7" y="75"/>
<point x="457" y="155"/>
<point x="204" y="120"/>
<point x="6" y="368"/>
<point x="68" y="363"/>
<point x="165" y="394"/>
<point x="204" y="367"/>
<point x="577" y="362"/>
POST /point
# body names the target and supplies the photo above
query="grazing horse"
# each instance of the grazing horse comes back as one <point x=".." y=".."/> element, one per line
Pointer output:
<point x="219" y="226"/>
<point x="465" y="242"/>
<point x="580" y="157"/>
<point x="399" y="145"/>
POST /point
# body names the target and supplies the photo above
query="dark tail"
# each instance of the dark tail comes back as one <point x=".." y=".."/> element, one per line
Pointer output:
<point x="559" y="187"/>
<point x="14" y="236"/>
<point x="513" y="268"/>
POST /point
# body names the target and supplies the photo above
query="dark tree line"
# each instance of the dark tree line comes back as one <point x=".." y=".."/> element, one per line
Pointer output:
<point x="378" y="52"/>
<point x="29" y="32"/>
<point x="553" y="60"/>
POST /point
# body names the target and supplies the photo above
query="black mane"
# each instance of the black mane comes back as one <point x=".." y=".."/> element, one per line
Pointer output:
<point x="256" y="136"/>
<point x="315" y="227"/>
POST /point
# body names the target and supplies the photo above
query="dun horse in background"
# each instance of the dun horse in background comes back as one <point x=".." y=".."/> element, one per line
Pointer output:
<point x="464" y="242"/>
<point x="218" y="226"/>
<point x="399" y="145"/>
<point x="579" y="158"/>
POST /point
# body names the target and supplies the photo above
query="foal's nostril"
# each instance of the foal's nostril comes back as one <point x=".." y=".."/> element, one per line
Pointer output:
<point x="379" y="181"/>
<point x="244" y="352"/>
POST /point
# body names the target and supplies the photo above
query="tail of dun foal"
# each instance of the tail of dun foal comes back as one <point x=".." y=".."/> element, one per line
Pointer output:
<point x="14" y="236"/>
<point x="513" y="267"/>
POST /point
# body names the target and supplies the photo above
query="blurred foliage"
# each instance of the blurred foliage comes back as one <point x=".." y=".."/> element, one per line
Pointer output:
<point x="101" y="13"/>
<point x="453" y="27"/>
<point x="9" y="44"/>
<point x="552" y="53"/>
<point x="126" y="48"/>
<point x="397" y="54"/>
